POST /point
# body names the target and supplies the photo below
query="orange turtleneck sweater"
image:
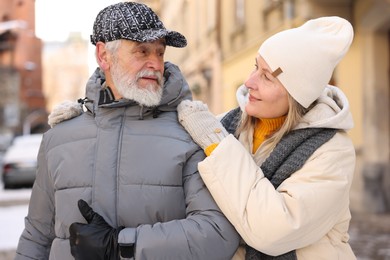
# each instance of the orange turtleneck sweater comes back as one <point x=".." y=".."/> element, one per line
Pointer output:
<point x="264" y="127"/>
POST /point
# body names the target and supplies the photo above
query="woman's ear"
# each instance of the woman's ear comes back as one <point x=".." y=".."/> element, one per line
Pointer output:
<point x="102" y="56"/>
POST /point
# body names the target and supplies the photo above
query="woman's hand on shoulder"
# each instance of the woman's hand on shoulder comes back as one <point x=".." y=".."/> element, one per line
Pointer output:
<point x="204" y="128"/>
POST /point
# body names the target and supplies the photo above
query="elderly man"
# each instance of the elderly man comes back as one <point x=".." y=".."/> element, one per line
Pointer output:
<point x="121" y="179"/>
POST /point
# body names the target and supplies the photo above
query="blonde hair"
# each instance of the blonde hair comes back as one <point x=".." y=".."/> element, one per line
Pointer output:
<point x="294" y="115"/>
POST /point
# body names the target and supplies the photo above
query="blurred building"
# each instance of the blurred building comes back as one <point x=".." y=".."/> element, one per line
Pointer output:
<point x="22" y="103"/>
<point x="223" y="39"/>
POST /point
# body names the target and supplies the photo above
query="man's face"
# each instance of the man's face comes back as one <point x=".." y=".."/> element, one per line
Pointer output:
<point x="137" y="71"/>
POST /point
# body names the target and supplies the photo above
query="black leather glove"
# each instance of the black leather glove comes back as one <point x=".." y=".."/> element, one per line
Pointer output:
<point x="95" y="240"/>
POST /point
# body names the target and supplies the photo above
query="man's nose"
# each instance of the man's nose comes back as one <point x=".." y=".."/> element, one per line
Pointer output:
<point x="156" y="62"/>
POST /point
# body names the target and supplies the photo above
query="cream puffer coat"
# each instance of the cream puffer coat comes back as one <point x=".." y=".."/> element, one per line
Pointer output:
<point x="309" y="212"/>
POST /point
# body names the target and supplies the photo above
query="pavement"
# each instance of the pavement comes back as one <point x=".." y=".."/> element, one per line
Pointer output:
<point x="370" y="235"/>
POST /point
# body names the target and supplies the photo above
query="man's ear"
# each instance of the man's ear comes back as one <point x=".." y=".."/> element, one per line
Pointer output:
<point x="102" y="56"/>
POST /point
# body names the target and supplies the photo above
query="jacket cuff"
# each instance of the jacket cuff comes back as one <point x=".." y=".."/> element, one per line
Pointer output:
<point x="127" y="236"/>
<point x="209" y="149"/>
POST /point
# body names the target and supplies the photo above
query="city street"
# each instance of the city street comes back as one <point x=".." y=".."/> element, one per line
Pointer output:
<point x="370" y="233"/>
<point x="13" y="209"/>
<point x="309" y="64"/>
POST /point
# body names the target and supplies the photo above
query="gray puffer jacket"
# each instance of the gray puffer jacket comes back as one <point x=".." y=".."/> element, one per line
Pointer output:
<point x="137" y="167"/>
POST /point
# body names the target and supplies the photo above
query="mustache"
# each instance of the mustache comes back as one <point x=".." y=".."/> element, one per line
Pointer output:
<point x="149" y="73"/>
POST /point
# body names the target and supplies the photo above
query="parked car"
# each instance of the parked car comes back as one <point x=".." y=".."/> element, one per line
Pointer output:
<point x="20" y="161"/>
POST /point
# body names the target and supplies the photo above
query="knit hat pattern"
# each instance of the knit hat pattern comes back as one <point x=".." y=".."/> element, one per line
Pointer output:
<point x="132" y="21"/>
<point x="308" y="55"/>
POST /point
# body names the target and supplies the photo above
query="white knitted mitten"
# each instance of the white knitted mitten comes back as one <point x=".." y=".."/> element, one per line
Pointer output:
<point x="204" y="128"/>
<point x="64" y="111"/>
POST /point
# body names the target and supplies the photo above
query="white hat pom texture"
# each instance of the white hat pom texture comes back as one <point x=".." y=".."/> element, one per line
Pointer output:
<point x="308" y="55"/>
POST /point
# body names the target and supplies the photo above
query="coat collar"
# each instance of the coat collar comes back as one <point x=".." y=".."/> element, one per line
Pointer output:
<point x="175" y="90"/>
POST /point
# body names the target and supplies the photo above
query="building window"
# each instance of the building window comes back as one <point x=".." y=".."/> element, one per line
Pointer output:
<point x="240" y="12"/>
<point x="211" y="14"/>
<point x="274" y="12"/>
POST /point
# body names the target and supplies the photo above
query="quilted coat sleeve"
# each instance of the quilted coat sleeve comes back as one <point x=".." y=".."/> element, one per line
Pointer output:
<point x="36" y="239"/>
<point x="204" y="234"/>
<point x="300" y="212"/>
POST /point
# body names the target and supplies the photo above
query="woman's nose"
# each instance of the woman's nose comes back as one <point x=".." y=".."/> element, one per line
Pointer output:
<point x="250" y="82"/>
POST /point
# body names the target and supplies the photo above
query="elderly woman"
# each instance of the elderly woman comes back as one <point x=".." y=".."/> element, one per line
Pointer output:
<point x="280" y="166"/>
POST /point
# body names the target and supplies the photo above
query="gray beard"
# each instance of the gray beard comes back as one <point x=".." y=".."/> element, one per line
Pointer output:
<point x="127" y="86"/>
<point x="143" y="96"/>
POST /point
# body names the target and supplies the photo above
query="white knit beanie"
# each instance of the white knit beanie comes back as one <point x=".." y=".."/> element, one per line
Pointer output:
<point x="307" y="55"/>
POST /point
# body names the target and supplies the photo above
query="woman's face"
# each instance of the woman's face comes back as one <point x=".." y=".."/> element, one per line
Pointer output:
<point x="267" y="96"/>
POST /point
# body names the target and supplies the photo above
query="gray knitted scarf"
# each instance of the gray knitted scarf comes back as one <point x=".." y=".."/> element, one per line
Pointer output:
<point x="289" y="155"/>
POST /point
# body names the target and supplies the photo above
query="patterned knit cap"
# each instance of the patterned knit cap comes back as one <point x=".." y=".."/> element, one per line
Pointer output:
<point x="132" y="21"/>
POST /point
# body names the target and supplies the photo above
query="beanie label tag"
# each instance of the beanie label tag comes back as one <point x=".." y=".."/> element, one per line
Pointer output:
<point x="277" y="72"/>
